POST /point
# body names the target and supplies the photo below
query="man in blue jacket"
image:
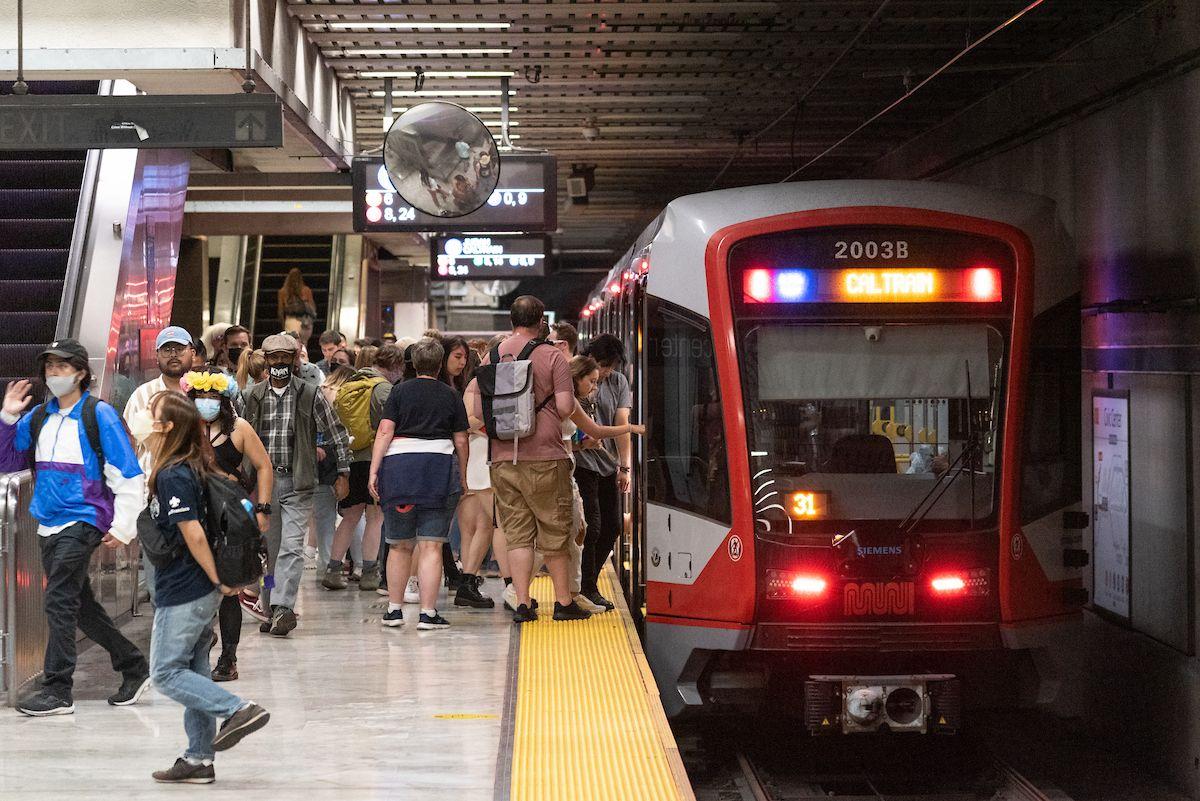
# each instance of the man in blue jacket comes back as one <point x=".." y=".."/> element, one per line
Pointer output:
<point x="88" y="490"/>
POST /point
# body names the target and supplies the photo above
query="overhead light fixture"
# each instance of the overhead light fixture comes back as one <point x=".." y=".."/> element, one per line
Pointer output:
<point x="473" y="109"/>
<point x="426" y="51"/>
<point x="418" y="26"/>
<point x="387" y="123"/>
<point x="444" y="93"/>
<point x="436" y="73"/>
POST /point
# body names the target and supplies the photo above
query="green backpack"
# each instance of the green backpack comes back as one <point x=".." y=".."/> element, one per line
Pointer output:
<point x="353" y="407"/>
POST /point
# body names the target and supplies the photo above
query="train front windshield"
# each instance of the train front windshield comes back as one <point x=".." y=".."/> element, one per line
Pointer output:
<point x="861" y="422"/>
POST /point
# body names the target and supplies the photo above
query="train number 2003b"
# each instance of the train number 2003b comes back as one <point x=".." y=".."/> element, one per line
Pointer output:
<point x="870" y="249"/>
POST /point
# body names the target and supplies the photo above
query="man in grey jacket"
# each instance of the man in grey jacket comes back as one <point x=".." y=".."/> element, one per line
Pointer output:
<point x="288" y="412"/>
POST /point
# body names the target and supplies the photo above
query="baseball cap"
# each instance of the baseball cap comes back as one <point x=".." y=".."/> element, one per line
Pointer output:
<point x="65" y="349"/>
<point x="172" y="333"/>
<point x="279" y="342"/>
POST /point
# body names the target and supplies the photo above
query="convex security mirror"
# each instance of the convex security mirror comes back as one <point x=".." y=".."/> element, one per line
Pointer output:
<point x="442" y="159"/>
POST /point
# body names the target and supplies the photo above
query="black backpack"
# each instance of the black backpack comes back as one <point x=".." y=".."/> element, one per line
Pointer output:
<point x="239" y="548"/>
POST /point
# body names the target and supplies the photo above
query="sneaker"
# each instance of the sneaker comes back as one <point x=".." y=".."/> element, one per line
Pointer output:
<point x="393" y="619"/>
<point x="283" y="621"/>
<point x="333" y="580"/>
<point x="583" y="603"/>
<point x="184" y="772"/>
<point x="595" y="597"/>
<point x="434" y="621"/>
<point x="131" y="690"/>
<point x="412" y="591"/>
<point x="264" y="627"/>
<point x="524" y="614"/>
<point x="370" y="579"/>
<point x="469" y="595"/>
<point x="246" y="720"/>
<point x="571" y="611"/>
<point x="252" y="606"/>
<point x="43" y="705"/>
<point x="510" y="597"/>
<point x="310" y="554"/>
<point x="382" y="591"/>
<point x="226" y="669"/>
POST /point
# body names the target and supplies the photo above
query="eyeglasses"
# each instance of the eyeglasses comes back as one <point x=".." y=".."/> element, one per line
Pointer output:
<point x="174" y="348"/>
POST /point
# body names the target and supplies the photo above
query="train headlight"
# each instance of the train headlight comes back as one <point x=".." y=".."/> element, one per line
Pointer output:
<point x="961" y="583"/>
<point x="796" y="585"/>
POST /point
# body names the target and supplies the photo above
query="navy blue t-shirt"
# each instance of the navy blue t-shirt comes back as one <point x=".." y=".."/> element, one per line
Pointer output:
<point x="177" y="499"/>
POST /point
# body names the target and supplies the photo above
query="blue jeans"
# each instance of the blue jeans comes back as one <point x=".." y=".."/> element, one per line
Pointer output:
<point x="180" y="669"/>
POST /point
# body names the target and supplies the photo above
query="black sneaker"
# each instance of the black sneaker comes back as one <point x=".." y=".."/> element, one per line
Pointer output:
<point x="393" y="619"/>
<point x="283" y="622"/>
<point x="571" y="611"/>
<point x="131" y="690"/>
<point x="43" y="705"/>
<point x="246" y="720"/>
<point x="430" y="622"/>
<point x="265" y="627"/>
<point x="524" y="614"/>
<point x="599" y="600"/>
<point x="184" y="772"/>
<point x="226" y="669"/>
<point x="469" y="595"/>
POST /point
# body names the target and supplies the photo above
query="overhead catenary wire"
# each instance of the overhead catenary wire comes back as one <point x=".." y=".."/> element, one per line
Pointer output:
<point x="845" y="51"/>
<point x="910" y="92"/>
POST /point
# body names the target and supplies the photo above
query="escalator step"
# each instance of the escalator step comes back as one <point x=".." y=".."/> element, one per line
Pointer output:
<point x="19" y="360"/>
<point x="35" y="326"/>
<point x="41" y="203"/>
<point x="33" y="263"/>
<point x="30" y="296"/>
<point x="29" y="233"/>
<point x="45" y="173"/>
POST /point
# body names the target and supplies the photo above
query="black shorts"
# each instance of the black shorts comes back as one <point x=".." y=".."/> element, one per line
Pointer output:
<point x="360" y="477"/>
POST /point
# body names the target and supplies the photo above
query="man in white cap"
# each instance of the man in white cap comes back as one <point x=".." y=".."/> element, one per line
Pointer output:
<point x="288" y="413"/>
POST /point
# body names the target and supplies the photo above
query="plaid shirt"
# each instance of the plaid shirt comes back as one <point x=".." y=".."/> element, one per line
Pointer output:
<point x="279" y="426"/>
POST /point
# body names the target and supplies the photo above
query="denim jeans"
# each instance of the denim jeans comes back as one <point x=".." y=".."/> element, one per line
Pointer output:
<point x="324" y="516"/>
<point x="180" y="669"/>
<point x="285" y="542"/>
<point x="70" y="604"/>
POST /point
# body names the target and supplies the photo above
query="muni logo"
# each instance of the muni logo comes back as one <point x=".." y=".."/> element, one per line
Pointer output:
<point x="879" y="598"/>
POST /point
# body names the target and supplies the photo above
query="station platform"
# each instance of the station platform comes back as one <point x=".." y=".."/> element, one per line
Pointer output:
<point x="482" y="710"/>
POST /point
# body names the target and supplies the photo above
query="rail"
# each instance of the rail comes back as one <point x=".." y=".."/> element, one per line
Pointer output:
<point x="113" y="575"/>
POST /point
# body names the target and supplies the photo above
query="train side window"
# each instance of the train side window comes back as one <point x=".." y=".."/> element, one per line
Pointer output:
<point x="1051" y="469"/>
<point x="687" y="465"/>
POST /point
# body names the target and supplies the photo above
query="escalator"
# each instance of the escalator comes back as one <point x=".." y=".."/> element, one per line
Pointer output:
<point x="313" y="255"/>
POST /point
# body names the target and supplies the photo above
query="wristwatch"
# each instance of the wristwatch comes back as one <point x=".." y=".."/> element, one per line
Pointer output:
<point x="625" y="469"/>
<point x="262" y="509"/>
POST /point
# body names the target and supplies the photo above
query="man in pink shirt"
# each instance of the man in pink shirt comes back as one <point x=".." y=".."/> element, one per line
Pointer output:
<point x="532" y="480"/>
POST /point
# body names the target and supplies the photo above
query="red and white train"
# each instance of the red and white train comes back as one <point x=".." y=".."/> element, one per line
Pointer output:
<point x="859" y="493"/>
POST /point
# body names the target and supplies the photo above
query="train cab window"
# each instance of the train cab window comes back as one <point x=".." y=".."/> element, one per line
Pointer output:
<point x="686" y="459"/>
<point x="855" y="422"/>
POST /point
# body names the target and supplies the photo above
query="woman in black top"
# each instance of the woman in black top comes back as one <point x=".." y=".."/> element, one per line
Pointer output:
<point x="233" y="440"/>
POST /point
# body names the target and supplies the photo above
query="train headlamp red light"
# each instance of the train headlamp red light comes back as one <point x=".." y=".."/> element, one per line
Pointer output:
<point x="796" y="585"/>
<point x="871" y="285"/>
<point x="960" y="583"/>
<point x="949" y="585"/>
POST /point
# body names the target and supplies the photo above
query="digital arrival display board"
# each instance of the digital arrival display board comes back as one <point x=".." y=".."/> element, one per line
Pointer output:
<point x="468" y="257"/>
<point x="525" y="200"/>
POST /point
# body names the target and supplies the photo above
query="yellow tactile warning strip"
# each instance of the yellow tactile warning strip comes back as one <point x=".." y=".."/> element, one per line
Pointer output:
<point x="589" y="725"/>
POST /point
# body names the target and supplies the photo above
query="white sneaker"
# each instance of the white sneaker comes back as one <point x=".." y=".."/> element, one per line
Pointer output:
<point x="582" y="601"/>
<point x="510" y="598"/>
<point x="310" y="553"/>
<point x="412" y="593"/>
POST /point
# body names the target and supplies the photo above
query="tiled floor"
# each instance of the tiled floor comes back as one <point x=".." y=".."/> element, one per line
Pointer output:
<point x="357" y="712"/>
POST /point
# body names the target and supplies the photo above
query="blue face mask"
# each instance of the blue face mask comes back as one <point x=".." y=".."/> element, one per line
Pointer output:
<point x="209" y="408"/>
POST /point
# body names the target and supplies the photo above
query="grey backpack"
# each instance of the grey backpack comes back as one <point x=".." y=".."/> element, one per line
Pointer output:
<point x="510" y="409"/>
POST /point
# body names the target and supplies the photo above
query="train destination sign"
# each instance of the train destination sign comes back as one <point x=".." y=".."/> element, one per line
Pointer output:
<point x="524" y="200"/>
<point x="82" y="122"/>
<point x="866" y="285"/>
<point x="479" y="256"/>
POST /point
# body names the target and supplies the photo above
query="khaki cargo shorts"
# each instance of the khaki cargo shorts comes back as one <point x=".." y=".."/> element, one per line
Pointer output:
<point x="534" y="503"/>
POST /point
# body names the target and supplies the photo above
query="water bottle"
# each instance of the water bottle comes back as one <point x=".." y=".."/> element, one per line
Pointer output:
<point x="249" y="507"/>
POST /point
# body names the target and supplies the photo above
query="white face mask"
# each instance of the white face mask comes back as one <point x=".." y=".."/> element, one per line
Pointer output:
<point x="142" y="425"/>
<point x="62" y="384"/>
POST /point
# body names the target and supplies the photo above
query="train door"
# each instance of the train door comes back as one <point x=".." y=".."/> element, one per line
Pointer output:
<point x="635" y="583"/>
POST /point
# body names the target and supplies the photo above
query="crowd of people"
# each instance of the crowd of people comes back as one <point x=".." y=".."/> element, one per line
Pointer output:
<point x="390" y="464"/>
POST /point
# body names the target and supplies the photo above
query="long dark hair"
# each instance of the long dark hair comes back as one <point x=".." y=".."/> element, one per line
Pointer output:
<point x="186" y="443"/>
<point x="228" y="416"/>
<point x="457" y="383"/>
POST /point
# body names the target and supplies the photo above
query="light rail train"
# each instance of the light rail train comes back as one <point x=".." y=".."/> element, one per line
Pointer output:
<point x="859" y="494"/>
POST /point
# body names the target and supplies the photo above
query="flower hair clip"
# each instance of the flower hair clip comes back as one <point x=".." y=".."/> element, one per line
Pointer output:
<point x="208" y="382"/>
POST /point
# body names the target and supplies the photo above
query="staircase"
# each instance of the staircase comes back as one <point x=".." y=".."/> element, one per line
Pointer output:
<point x="39" y="197"/>
<point x="313" y="255"/>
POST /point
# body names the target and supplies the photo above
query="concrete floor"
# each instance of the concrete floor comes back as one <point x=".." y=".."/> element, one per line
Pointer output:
<point x="357" y="712"/>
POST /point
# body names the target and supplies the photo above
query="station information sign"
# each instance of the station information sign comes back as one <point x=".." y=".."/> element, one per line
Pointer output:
<point x="467" y="257"/>
<point x="525" y="200"/>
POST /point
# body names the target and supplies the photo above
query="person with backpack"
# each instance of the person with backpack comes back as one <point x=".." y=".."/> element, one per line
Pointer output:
<point x="188" y="589"/>
<point x="287" y="413"/>
<point x="360" y="406"/>
<point x="233" y="441"/>
<point x="88" y="490"/>
<point x="522" y="393"/>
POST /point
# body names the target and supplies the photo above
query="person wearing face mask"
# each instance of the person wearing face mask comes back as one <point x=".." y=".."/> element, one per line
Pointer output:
<point x="237" y="342"/>
<point x="287" y="413"/>
<point x="88" y="491"/>
<point x="175" y="353"/>
<point x="233" y="440"/>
